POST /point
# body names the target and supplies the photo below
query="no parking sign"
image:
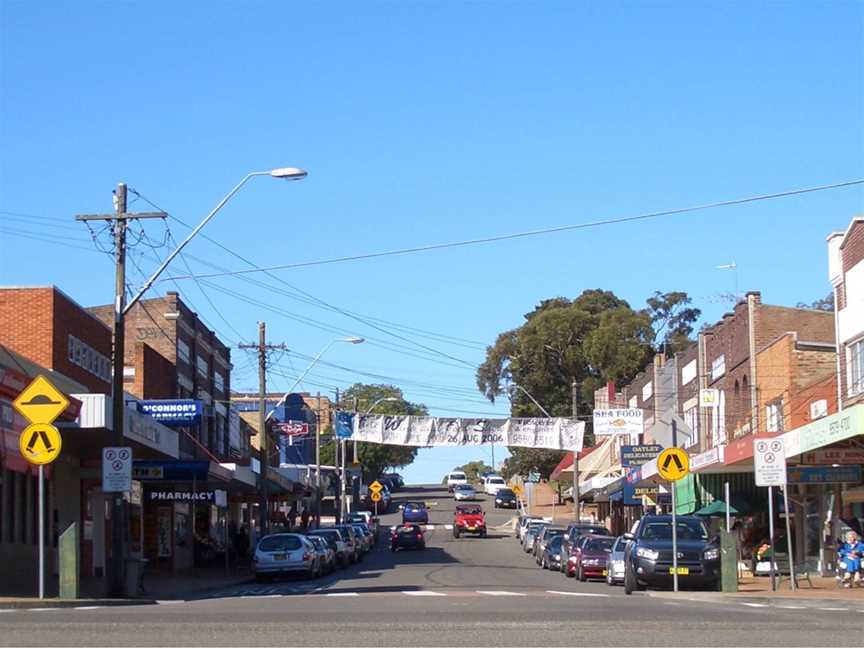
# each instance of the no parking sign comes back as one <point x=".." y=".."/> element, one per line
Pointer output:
<point x="116" y="470"/>
<point x="769" y="461"/>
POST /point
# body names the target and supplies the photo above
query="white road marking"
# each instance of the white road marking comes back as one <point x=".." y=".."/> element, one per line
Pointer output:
<point x="834" y="609"/>
<point x="430" y="527"/>
<point x="790" y="607"/>
<point x="449" y="527"/>
<point x="422" y="593"/>
<point x="756" y="605"/>
<point x="169" y="602"/>
<point x="41" y="609"/>
<point x="341" y="594"/>
<point x="499" y="593"/>
<point x="577" y="594"/>
<point x="8" y="610"/>
<point x="88" y="607"/>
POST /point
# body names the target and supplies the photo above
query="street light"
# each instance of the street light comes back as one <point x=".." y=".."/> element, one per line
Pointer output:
<point x="121" y="307"/>
<point x="386" y="399"/>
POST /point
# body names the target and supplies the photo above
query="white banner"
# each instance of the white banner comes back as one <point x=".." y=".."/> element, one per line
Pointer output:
<point x="426" y="431"/>
<point x="612" y="422"/>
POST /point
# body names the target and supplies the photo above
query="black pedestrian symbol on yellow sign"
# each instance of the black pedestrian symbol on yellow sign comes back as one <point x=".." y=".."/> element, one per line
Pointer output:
<point x="40" y="443"/>
<point x="673" y="464"/>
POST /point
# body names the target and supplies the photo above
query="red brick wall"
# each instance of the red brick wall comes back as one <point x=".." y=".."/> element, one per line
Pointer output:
<point x="155" y="376"/>
<point x="853" y="247"/>
<point x="37" y="323"/>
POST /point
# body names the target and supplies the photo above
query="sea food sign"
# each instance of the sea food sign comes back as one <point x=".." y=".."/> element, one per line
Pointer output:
<point x="427" y="431"/>
<point x="614" y="422"/>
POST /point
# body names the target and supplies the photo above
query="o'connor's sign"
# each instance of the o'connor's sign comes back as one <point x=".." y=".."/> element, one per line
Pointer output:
<point x="425" y="431"/>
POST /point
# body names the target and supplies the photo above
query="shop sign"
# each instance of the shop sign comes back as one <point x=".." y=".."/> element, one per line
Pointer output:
<point x="831" y="429"/>
<point x="172" y="412"/>
<point x="221" y="498"/>
<point x="709" y="398"/>
<point x="834" y="456"/>
<point x="647" y="491"/>
<point x="636" y="455"/>
<point x="170" y="470"/>
<point x="151" y="433"/>
<point x="708" y="458"/>
<point x="824" y="474"/>
<point x="171" y="495"/>
<point x="614" y="422"/>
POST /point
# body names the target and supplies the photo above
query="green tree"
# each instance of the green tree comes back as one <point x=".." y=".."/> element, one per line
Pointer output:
<point x="473" y="470"/>
<point x="672" y="319"/>
<point x="376" y="458"/>
<point x="824" y="304"/>
<point x="524" y="460"/>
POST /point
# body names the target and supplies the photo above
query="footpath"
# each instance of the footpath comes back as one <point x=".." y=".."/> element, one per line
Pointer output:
<point x="161" y="587"/>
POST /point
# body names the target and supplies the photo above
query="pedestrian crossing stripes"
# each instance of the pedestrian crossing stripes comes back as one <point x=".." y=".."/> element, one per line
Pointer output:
<point x="500" y="593"/>
<point x="424" y="593"/>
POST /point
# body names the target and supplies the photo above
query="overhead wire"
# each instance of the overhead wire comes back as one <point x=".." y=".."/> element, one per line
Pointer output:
<point x="536" y="232"/>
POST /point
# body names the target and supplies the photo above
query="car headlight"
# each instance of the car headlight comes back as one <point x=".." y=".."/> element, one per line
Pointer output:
<point x="650" y="554"/>
<point x="712" y="554"/>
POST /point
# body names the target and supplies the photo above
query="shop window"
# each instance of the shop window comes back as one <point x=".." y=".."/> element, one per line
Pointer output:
<point x="202" y="366"/>
<point x="855" y="367"/>
<point x="647" y="391"/>
<point x="182" y="350"/>
<point x="774" y="417"/>
<point x="219" y="381"/>
<point x="688" y="373"/>
<point x="691" y="418"/>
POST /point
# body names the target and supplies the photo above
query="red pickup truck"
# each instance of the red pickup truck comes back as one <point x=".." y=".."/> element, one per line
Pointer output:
<point x="469" y="518"/>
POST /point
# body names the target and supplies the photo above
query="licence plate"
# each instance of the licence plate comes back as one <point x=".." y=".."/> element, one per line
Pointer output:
<point x="471" y="528"/>
<point x="682" y="571"/>
<point x="278" y="556"/>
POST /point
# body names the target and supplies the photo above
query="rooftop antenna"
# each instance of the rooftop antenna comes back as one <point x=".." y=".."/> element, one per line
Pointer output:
<point x="734" y="267"/>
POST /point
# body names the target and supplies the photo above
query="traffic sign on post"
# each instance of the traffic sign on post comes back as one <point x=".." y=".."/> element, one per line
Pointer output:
<point x="769" y="461"/>
<point x="376" y="497"/>
<point x="40" y="443"/>
<point x="116" y="470"/>
<point x="41" y="402"/>
<point x="376" y="487"/>
<point x="673" y="464"/>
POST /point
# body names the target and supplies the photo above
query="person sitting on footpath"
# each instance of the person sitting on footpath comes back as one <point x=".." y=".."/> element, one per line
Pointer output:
<point x="851" y="553"/>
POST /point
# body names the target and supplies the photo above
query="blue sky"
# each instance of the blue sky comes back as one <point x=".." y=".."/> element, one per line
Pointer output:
<point x="428" y="122"/>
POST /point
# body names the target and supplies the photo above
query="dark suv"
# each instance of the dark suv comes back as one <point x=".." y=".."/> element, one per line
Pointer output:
<point x="648" y="554"/>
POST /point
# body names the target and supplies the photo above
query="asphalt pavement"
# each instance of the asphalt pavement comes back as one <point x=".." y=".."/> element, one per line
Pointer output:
<point x="457" y="592"/>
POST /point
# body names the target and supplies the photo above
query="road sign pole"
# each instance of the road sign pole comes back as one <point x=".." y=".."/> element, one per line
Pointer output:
<point x="792" y="583"/>
<point x="41" y="531"/>
<point x="674" y="540"/>
<point x="771" y="536"/>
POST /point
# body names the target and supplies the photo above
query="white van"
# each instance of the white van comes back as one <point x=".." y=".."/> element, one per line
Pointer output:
<point x="494" y="483"/>
<point x="454" y="478"/>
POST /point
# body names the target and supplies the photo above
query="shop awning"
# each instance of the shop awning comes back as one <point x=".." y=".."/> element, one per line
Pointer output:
<point x="718" y="509"/>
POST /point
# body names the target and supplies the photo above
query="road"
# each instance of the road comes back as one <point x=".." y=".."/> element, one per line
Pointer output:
<point x="469" y="591"/>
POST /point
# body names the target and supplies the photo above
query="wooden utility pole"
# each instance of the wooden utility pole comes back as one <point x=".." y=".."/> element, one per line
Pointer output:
<point x="577" y="504"/>
<point x="119" y="219"/>
<point x="263" y="441"/>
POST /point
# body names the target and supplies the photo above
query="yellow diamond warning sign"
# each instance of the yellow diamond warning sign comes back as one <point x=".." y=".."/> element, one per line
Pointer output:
<point x="40" y="443"/>
<point x="41" y="402"/>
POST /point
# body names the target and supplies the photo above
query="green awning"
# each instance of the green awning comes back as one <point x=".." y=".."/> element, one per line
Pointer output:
<point x="717" y="508"/>
<point x="685" y="495"/>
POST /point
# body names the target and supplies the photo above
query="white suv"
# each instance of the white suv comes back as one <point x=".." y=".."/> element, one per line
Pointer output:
<point x="493" y="484"/>
<point x="455" y="478"/>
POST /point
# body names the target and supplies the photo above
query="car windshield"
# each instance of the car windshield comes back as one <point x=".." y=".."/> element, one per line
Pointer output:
<point x="552" y="533"/>
<point x="332" y="537"/>
<point x="534" y="527"/>
<point x="463" y="487"/>
<point x="504" y="492"/>
<point x="619" y="544"/>
<point x="280" y="543"/>
<point x="473" y="510"/>
<point x="599" y="544"/>
<point x="496" y="480"/>
<point x="556" y="542"/>
<point x="662" y="530"/>
<point x="411" y="506"/>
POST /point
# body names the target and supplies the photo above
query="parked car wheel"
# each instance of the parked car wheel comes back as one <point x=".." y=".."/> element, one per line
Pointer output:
<point x="630" y="583"/>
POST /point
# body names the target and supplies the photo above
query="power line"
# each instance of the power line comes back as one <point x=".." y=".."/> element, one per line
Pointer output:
<point x="537" y="232"/>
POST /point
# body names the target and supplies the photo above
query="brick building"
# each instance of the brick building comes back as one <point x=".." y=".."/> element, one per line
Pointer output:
<point x="846" y="272"/>
<point x="170" y="353"/>
<point x="48" y="327"/>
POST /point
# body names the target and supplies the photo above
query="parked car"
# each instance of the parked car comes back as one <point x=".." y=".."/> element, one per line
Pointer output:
<point x="553" y="553"/>
<point x="364" y="517"/>
<point x="530" y="533"/>
<point x="522" y="525"/>
<point x="575" y="530"/>
<point x="344" y="555"/>
<point x="415" y="512"/>
<point x="283" y="553"/>
<point x="464" y="493"/>
<point x="349" y="535"/>
<point x="469" y="518"/>
<point x="407" y="536"/>
<point x="365" y="536"/>
<point x="454" y="478"/>
<point x="543" y="538"/>
<point x="493" y="484"/>
<point x="326" y="554"/>
<point x="506" y="498"/>
<point x="396" y="480"/>
<point x="648" y="555"/>
<point x="615" y="564"/>
<point x="590" y="557"/>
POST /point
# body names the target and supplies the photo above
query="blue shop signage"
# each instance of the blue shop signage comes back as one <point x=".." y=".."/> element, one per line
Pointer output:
<point x="823" y="474"/>
<point x="179" y="413"/>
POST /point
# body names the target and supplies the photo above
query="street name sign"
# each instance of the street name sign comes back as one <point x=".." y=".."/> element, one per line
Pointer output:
<point x="673" y="464"/>
<point x="116" y="470"/>
<point x="769" y="461"/>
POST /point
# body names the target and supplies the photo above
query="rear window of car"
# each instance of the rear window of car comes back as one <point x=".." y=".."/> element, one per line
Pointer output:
<point x="280" y="543"/>
<point x="474" y="510"/>
<point x="330" y="536"/>
<point x="552" y="533"/>
<point x="413" y="506"/>
<point x="496" y="480"/>
<point x="457" y="476"/>
<point x="345" y="533"/>
<point x="599" y="544"/>
<point x="408" y="528"/>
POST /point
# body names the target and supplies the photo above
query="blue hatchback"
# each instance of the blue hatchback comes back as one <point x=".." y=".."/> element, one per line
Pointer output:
<point x="415" y="512"/>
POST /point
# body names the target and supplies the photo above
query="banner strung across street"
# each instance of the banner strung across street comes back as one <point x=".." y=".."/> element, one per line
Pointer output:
<point x="426" y="431"/>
